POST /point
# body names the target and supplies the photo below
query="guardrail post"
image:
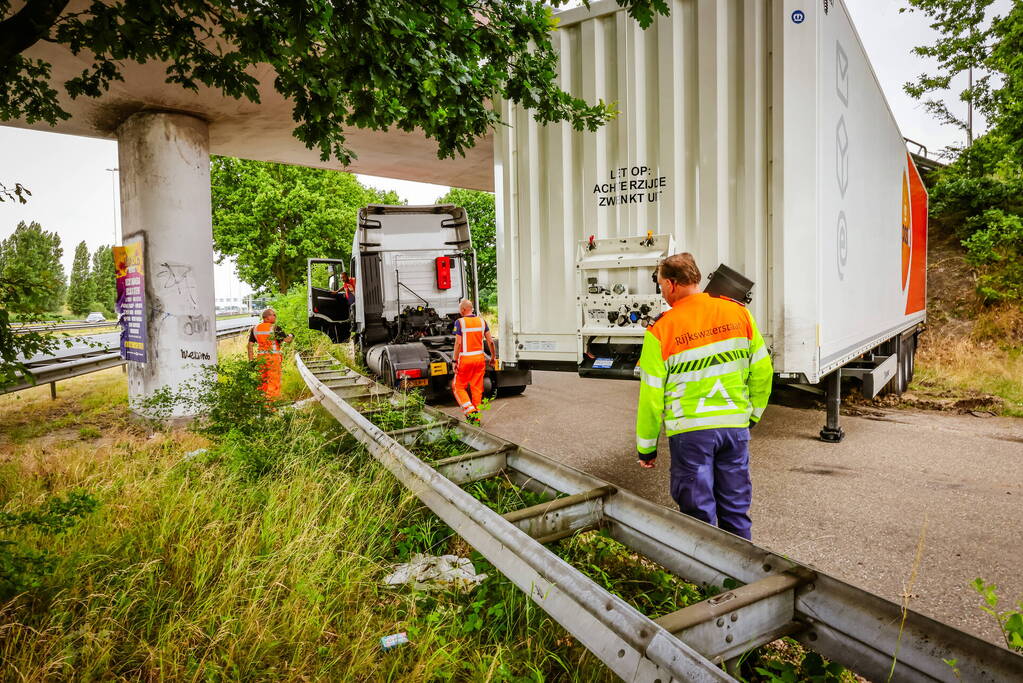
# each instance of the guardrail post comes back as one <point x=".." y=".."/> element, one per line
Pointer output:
<point x="53" y="391"/>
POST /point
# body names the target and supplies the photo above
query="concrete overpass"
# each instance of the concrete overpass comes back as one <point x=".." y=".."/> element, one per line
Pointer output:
<point x="165" y="135"/>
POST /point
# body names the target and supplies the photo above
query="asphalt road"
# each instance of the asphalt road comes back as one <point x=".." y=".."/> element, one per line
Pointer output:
<point x="857" y="510"/>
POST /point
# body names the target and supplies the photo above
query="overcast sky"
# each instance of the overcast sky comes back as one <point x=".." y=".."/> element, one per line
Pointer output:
<point x="73" y="193"/>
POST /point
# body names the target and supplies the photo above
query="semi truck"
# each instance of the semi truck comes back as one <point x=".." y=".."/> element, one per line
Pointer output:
<point x="754" y="135"/>
<point x="412" y="266"/>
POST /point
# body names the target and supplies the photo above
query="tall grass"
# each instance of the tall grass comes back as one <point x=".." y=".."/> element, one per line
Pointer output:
<point x="988" y="362"/>
<point x="204" y="566"/>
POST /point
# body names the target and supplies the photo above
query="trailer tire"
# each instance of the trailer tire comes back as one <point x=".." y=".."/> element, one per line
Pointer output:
<point x="910" y="345"/>
<point x="900" y="382"/>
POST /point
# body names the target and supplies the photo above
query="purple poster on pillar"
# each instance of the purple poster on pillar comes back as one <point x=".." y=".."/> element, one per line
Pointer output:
<point x="131" y="301"/>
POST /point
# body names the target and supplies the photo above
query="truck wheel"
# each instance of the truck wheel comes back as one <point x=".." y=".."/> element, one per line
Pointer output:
<point x="510" y="391"/>
<point x="385" y="367"/>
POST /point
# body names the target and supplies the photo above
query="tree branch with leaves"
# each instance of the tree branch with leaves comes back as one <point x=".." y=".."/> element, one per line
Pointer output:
<point x="379" y="64"/>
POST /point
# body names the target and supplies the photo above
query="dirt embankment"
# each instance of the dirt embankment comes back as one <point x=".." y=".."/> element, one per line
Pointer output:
<point x="970" y="358"/>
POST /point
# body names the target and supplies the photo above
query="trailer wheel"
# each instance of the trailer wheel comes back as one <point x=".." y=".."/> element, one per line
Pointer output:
<point x="910" y="346"/>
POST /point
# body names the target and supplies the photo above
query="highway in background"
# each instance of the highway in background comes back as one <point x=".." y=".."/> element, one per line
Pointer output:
<point x="110" y="341"/>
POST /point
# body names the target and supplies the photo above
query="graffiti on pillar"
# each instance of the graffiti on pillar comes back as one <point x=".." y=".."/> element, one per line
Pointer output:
<point x="194" y="325"/>
<point x="178" y="278"/>
<point x="180" y="294"/>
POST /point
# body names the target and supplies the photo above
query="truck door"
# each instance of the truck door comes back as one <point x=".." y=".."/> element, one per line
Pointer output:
<point x="329" y="308"/>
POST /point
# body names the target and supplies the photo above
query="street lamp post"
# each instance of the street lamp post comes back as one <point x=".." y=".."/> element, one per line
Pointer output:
<point x="113" y="198"/>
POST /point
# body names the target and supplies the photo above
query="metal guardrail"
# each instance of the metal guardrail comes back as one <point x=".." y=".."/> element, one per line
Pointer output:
<point x="66" y="326"/>
<point x="863" y="632"/>
<point x="58" y="368"/>
<point x="61" y="327"/>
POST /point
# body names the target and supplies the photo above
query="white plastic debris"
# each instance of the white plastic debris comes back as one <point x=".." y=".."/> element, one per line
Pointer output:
<point x="428" y="572"/>
<point x="193" y="454"/>
<point x="392" y="641"/>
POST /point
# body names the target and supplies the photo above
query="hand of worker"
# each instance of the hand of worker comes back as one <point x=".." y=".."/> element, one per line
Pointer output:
<point x="752" y="424"/>
<point x="648" y="464"/>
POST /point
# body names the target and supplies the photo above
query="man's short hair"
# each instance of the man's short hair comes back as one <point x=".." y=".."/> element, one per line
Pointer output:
<point x="267" y="312"/>
<point x="464" y="304"/>
<point x="680" y="269"/>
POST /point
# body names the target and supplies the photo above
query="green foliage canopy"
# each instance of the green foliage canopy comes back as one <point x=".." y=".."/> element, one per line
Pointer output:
<point x="979" y="197"/>
<point x="479" y="206"/>
<point x="31" y="283"/>
<point x="436" y="66"/>
<point x="31" y="275"/>
<point x="104" y="279"/>
<point x="272" y="217"/>
<point x="971" y="37"/>
<point x="79" y="291"/>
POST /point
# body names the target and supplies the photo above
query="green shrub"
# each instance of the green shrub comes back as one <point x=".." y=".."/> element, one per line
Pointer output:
<point x="995" y="248"/>
<point x="23" y="568"/>
<point x="223" y="398"/>
<point x="956" y="202"/>
<point x="1010" y="621"/>
<point x="292" y="316"/>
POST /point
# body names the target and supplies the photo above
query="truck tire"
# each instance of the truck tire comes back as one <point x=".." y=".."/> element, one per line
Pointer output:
<point x="387" y="372"/>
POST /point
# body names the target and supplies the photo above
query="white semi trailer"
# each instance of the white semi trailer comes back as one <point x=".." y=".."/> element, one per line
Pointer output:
<point x="752" y="134"/>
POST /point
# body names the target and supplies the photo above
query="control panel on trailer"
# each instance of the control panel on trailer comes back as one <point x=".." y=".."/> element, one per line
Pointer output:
<point x="618" y="299"/>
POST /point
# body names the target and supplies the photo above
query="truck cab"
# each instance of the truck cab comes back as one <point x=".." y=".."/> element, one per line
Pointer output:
<point x="410" y="268"/>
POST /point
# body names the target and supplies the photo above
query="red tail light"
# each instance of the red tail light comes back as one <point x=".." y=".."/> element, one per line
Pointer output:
<point x="412" y="373"/>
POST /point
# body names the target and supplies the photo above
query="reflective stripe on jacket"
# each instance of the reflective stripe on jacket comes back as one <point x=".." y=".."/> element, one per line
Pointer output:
<point x="704" y="365"/>
<point x="266" y="339"/>
<point x="471" y="330"/>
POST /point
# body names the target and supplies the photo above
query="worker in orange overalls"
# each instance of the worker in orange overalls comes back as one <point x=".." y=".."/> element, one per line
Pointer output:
<point x="266" y="339"/>
<point x="470" y="361"/>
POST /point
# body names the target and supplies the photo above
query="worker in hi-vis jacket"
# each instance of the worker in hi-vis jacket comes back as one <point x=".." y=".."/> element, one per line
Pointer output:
<point x="706" y="373"/>
<point x="470" y="361"/>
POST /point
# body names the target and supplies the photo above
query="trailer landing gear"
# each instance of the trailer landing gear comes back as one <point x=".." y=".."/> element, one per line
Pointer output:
<point x="831" y="432"/>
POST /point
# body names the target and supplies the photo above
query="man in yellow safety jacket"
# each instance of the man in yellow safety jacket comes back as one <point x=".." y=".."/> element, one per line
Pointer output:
<point x="267" y="339"/>
<point x="706" y="373"/>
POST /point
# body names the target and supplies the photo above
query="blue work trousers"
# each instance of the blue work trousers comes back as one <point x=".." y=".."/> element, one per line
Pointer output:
<point x="710" y="477"/>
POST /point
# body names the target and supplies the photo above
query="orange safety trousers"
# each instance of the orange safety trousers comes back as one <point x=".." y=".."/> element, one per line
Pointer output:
<point x="270" y="360"/>
<point x="470" y="374"/>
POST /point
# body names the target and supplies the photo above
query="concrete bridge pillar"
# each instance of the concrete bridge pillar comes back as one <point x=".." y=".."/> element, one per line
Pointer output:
<point x="164" y="160"/>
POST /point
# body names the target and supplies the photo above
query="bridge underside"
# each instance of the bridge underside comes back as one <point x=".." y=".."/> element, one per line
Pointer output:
<point x="248" y="130"/>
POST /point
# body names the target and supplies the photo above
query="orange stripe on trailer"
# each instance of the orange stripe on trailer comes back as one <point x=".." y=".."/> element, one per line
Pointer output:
<point x="916" y="300"/>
